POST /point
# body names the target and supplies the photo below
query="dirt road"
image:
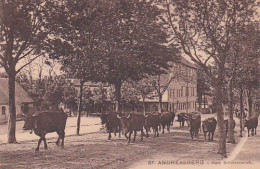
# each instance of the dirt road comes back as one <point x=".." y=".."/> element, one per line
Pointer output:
<point x="94" y="151"/>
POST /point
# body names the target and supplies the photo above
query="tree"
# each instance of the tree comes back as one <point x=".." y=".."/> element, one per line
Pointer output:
<point x="242" y="57"/>
<point x="144" y="90"/>
<point x="78" y="40"/>
<point x="160" y="84"/>
<point x="23" y="30"/>
<point x="203" y="87"/>
<point x="136" y="44"/>
<point x="205" y="30"/>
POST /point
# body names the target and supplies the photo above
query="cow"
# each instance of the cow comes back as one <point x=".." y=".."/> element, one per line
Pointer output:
<point x="132" y="123"/>
<point x="166" y="119"/>
<point x="251" y="124"/>
<point x="209" y="126"/>
<point x="111" y="122"/>
<point x="152" y="120"/>
<point x="47" y="122"/>
<point x="194" y="123"/>
<point x="226" y="124"/>
<point x="182" y="117"/>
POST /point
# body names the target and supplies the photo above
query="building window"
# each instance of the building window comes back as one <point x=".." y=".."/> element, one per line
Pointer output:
<point x="3" y="110"/>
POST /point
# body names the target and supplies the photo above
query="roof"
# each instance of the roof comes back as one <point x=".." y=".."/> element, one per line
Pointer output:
<point x="76" y="82"/>
<point x="187" y="63"/>
<point x="21" y="95"/>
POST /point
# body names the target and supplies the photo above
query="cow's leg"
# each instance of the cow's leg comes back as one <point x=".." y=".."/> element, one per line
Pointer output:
<point x="62" y="136"/>
<point x="134" y="135"/>
<point x="205" y="133"/>
<point x="119" y="132"/>
<point x="255" y="131"/>
<point x="109" y="134"/>
<point x="212" y="136"/>
<point x="58" y="140"/>
<point x="168" y="127"/>
<point x="126" y="135"/>
<point x="39" y="142"/>
<point x="142" y="134"/>
<point x="147" y="135"/>
<point x="252" y="132"/>
<point x="182" y="123"/>
<point x="191" y="134"/>
<point x="248" y="132"/>
<point x="157" y="131"/>
<point x="129" y="137"/>
<point x="209" y="136"/>
<point x="45" y="143"/>
<point x="163" y="126"/>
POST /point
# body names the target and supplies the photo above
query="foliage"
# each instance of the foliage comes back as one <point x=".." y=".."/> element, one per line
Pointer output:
<point x="205" y="30"/>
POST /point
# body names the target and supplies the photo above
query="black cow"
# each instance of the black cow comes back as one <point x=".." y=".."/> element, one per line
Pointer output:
<point x="194" y="123"/>
<point x="182" y="117"/>
<point x="47" y="122"/>
<point x="209" y="126"/>
<point x="226" y="124"/>
<point x="152" y="121"/>
<point x="111" y="122"/>
<point x="166" y="119"/>
<point x="132" y="123"/>
<point x="251" y="124"/>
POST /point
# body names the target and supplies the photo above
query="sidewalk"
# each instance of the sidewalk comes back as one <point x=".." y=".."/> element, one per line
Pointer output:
<point x="88" y="125"/>
<point x="245" y="155"/>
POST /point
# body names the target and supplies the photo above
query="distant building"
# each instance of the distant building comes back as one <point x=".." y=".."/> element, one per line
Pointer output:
<point x="181" y="94"/>
<point x="23" y="102"/>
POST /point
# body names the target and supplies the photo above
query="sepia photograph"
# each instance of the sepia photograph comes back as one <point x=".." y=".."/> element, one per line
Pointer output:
<point x="129" y="84"/>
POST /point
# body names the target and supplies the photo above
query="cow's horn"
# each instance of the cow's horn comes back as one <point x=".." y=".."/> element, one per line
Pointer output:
<point x="34" y="115"/>
<point x="146" y="115"/>
<point x="118" y="116"/>
<point x="128" y="116"/>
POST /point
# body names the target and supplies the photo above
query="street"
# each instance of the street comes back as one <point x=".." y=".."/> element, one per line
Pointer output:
<point x="92" y="149"/>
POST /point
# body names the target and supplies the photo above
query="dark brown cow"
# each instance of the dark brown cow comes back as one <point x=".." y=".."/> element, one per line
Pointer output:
<point x="226" y="124"/>
<point x="182" y="117"/>
<point x="152" y="121"/>
<point x="132" y="123"/>
<point x="111" y="122"/>
<point x="251" y="124"/>
<point x="166" y="119"/>
<point x="209" y="126"/>
<point x="47" y="122"/>
<point x="194" y="123"/>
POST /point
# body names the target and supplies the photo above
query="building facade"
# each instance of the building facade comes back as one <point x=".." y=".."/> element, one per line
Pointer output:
<point x="23" y="102"/>
<point x="181" y="93"/>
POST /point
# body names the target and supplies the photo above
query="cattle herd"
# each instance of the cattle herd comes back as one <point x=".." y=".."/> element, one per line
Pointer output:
<point x="128" y="124"/>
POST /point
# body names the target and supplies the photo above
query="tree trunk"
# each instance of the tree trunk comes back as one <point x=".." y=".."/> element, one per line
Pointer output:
<point x="160" y="102"/>
<point x="79" y="106"/>
<point x="144" y="110"/>
<point x="231" y="138"/>
<point x="220" y="116"/>
<point x="250" y="102"/>
<point x="204" y="100"/>
<point x="118" y="96"/>
<point x="241" y="110"/>
<point x="12" y="110"/>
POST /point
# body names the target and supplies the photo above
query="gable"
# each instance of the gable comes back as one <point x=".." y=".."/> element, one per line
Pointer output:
<point x="21" y="95"/>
